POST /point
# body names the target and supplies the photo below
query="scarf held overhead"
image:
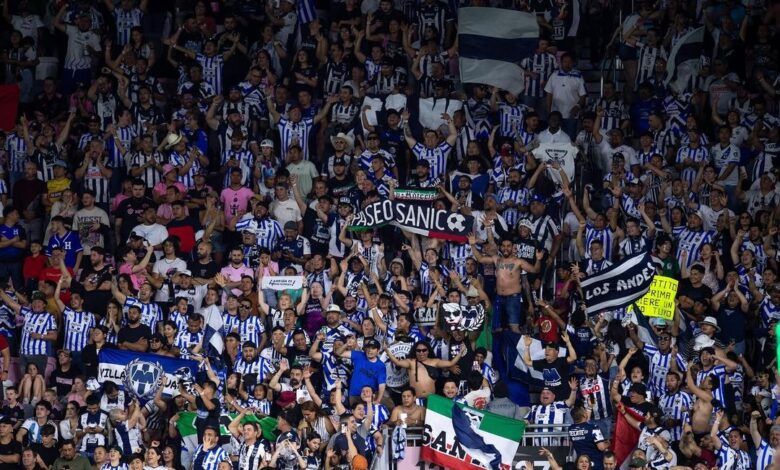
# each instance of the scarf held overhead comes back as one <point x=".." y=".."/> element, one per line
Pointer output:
<point x="416" y="218"/>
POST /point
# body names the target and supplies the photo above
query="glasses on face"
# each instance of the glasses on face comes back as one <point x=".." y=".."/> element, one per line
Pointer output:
<point x="664" y="338"/>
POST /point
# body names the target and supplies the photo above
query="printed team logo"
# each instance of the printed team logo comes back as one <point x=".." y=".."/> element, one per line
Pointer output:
<point x="142" y="378"/>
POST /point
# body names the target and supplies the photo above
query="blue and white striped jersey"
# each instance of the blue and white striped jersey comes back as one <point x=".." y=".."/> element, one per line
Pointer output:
<point x="543" y="64"/>
<point x="676" y="406"/>
<point x="125" y="20"/>
<point x="126" y="136"/>
<point x="151" y="313"/>
<point x="765" y="454"/>
<point x="595" y="394"/>
<point x="605" y="235"/>
<point x="692" y="241"/>
<point x="718" y="371"/>
<point x="660" y="365"/>
<point x="17" y="152"/>
<point x="212" y="70"/>
<point x="78" y="328"/>
<point x="180" y="160"/>
<point x="295" y="133"/>
<point x="520" y="197"/>
<point x="731" y="459"/>
<point x="250" y="329"/>
<point x="511" y="118"/>
<point x="437" y="157"/>
<point x="698" y="154"/>
<point x="261" y="367"/>
<point x="185" y="340"/>
<point x="36" y="322"/>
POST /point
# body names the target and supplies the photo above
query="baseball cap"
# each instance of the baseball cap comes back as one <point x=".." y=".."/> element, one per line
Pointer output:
<point x="345" y="201"/>
<point x="60" y="163"/>
<point x="371" y="343"/>
<point x="525" y="223"/>
<point x="6" y="420"/>
<point x="539" y="198"/>
<point x="551" y="344"/>
<point x="167" y="168"/>
<point x="333" y="308"/>
<point x="286" y="398"/>
<point x="339" y="161"/>
<point x="186" y="272"/>
<point x="267" y="143"/>
<point x="472" y="292"/>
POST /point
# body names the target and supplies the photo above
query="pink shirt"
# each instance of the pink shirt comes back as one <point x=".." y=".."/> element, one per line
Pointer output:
<point x="234" y="275"/>
<point x="127" y="268"/>
<point x="162" y="187"/>
<point x="235" y="201"/>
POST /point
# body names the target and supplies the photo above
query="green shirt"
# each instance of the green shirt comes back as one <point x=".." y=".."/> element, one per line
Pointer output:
<point x="78" y="463"/>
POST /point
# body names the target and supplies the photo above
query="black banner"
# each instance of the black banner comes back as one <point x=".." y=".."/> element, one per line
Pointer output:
<point x="414" y="217"/>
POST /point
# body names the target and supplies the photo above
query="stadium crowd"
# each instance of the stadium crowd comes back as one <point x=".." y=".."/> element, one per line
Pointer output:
<point x="174" y="156"/>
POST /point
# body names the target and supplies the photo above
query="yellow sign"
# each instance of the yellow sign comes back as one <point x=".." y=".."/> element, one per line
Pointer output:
<point x="659" y="300"/>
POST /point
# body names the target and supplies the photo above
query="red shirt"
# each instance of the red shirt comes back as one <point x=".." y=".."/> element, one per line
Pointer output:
<point x="33" y="265"/>
<point x="53" y="274"/>
<point x="548" y="328"/>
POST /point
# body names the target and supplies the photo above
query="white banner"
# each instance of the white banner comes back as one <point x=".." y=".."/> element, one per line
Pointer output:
<point x="281" y="282"/>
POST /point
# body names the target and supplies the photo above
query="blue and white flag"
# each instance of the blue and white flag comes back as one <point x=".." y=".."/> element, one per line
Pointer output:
<point x="213" y="322"/>
<point x="113" y="362"/>
<point x="685" y="60"/>
<point x="619" y="285"/>
<point x="491" y="44"/>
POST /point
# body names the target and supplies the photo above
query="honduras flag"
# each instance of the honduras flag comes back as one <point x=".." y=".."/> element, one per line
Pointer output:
<point x="491" y="44"/>
<point x="685" y="60"/>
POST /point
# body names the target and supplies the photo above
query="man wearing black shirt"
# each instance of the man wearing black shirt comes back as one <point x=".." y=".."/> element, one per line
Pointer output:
<point x="134" y="336"/>
<point x="203" y="267"/>
<point x="47" y="449"/>
<point x="196" y="195"/>
<point x="555" y="369"/>
<point x="130" y="211"/>
<point x="96" y="280"/>
<point x="89" y="356"/>
<point x="62" y="377"/>
<point x="10" y="448"/>
<point x="693" y="289"/>
<point x="316" y="224"/>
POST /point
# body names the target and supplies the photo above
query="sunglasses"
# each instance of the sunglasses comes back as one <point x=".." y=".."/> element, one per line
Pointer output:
<point x="245" y="306"/>
<point x="420" y="350"/>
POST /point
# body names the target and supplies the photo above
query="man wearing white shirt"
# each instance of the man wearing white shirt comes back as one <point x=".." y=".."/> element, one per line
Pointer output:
<point x="566" y="93"/>
<point x="554" y="134"/>
<point x="612" y="145"/>
<point x="83" y="44"/>
<point x="726" y="156"/>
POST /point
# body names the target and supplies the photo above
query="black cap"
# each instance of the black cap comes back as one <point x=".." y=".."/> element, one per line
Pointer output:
<point x="371" y="343"/>
<point x="6" y="420"/>
<point x="423" y="162"/>
<point x="339" y="161"/>
<point x="157" y="337"/>
<point x="638" y="388"/>
<point x="551" y="344"/>
<point x="656" y="412"/>
<point x="345" y="201"/>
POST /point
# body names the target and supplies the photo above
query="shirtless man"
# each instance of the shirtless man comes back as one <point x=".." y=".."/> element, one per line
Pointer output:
<point x="509" y="268"/>
<point x="423" y="371"/>
<point x="409" y="413"/>
<point x="702" y="406"/>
